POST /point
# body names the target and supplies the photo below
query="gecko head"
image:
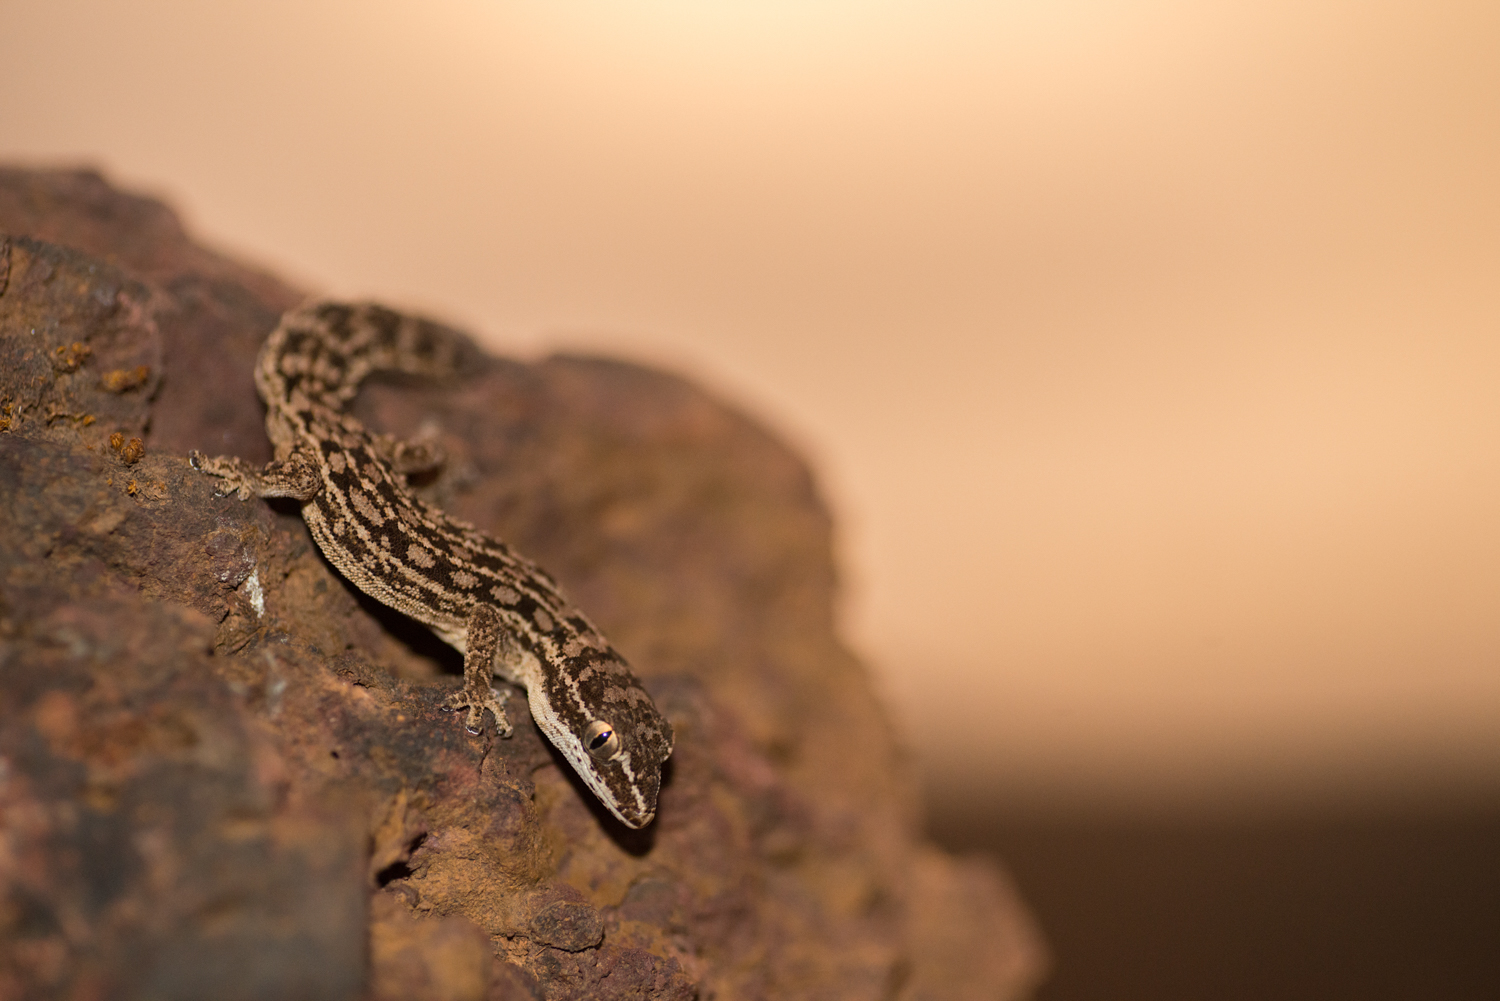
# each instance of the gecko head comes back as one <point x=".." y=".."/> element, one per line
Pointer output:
<point x="612" y="734"/>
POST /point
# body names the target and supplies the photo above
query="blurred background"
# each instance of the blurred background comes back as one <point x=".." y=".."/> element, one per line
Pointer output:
<point x="1147" y="352"/>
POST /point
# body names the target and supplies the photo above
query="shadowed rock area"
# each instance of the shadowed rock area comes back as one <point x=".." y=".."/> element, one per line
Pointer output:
<point x="224" y="773"/>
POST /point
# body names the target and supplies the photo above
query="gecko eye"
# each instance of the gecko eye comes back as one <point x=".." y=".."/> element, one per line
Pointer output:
<point x="601" y="740"/>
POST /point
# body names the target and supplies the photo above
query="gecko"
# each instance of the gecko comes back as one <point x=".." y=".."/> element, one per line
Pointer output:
<point x="505" y="614"/>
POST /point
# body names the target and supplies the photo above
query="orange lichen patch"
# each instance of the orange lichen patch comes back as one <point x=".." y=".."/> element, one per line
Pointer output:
<point x="130" y="452"/>
<point x="120" y="380"/>
<point x="62" y="415"/>
<point x="68" y="357"/>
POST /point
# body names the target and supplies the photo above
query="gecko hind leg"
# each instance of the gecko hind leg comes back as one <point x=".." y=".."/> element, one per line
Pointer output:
<point x="411" y="456"/>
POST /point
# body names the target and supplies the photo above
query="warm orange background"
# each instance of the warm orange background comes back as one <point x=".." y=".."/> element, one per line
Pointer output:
<point x="1148" y="351"/>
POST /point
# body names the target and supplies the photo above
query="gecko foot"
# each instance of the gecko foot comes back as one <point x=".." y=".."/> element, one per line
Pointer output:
<point x="493" y="700"/>
<point x="421" y="454"/>
<point x="233" y="474"/>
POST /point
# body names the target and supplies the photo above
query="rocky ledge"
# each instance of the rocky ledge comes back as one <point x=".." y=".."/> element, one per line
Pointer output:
<point x="224" y="772"/>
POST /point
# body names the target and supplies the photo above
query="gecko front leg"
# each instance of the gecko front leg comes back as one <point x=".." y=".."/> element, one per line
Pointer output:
<point x="485" y="637"/>
<point x="297" y="476"/>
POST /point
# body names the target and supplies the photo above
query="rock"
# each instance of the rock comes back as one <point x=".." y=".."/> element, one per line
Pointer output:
<point x="224" y="772"/>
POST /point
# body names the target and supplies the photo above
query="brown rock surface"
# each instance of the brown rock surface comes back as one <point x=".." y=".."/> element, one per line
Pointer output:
<point x="223" y="772"/>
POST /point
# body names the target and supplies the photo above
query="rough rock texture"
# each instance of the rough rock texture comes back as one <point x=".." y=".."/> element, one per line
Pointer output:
<point x="223" y="772"/>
